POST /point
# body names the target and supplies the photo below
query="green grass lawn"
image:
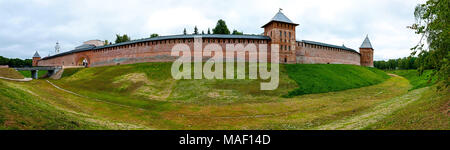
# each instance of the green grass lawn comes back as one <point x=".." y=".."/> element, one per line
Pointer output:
<point x="153" y="81"/>
<point x="301" y="112"/>
<point x="10" y="73"/>
<point x="27" y="74"/>
<point x="20" y="109"/>
<point x="313" y="78"/>
<point x="418" y="81"/>
<point x="70" y="71"/>
<point x="429" y="112"/>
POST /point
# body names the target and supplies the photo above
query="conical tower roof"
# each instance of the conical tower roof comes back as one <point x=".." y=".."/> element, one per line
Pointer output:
<point x="280" y="17"/>
<point x="366" y="43"/>
<point x="36" y="55"/>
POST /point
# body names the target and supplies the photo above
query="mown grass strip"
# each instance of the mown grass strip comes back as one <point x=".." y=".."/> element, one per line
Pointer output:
<point x="322" y="78"/>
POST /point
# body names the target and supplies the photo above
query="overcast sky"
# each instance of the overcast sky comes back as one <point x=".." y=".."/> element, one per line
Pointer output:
<point x="27" y="26"/>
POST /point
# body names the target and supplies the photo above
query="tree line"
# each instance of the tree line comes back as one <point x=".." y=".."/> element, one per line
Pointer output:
<point x="15" y="62"/>
<point x="401" y="63"/>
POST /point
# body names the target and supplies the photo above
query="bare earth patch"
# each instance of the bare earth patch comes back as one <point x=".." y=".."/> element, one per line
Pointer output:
<point x="132" y="77"/>
<point x="155" y="90"/>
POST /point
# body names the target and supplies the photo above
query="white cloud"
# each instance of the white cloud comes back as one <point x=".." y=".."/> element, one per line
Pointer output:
<point x="169" y="21"/>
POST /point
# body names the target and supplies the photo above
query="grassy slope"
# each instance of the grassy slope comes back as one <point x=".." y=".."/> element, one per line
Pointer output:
<point x="149" y="86"/>
<point x="153" y="81"/>
<point x="146" y="95"/>
<point x="70" y="71"/>
<point x="418" y="81"/>
<point x="302" y="112"/>
<point x="429" y="112"/>
<point x="10" y="73"/>
<point x="327" y="78"/>
<point x="27" y="74"/>
<point x="20" y="109"/>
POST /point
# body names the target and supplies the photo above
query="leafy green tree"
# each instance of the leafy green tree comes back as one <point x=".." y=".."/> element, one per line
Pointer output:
<point x="15" y="62"/>
<point x="106" y="42"/>
<point x="235" y="32"/>
<point x="203" y="32"/>
<point x="392" y="64"/>
<point x="221" y="28"/>
<point x="184" y="31"/>
<point x="432" y="22"/>
<point x="423" y="61"/>
<point x="209" y="31"/>
<point x="401" y="63"/>
<point x="154" y="35"/>
<point x="122" y="38"/>
<point x="28" y="62"/>
<point x="380" y="64"/>
<point x="3" y="60"/>
<point x="195" y="30"/>
<point x="118" y="38"/>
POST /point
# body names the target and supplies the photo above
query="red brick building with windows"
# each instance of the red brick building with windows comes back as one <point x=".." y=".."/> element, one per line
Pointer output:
<point x="279" y="30"/>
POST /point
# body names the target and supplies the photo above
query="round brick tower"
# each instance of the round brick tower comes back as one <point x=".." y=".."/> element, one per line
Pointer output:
<point x="366" y="52"/>
<point x="281" y="30"/>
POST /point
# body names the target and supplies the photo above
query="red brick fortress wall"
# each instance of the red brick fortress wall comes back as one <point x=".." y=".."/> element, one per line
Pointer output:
<point x="152" y="51"/>
<point x="160" y="51"/>
<point x="315" y="54"/>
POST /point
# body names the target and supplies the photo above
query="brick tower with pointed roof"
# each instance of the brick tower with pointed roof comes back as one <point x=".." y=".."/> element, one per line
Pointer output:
<point x="366" y="51"/>
<point x="281" y="30"/>
<point x="36" y="58"/>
